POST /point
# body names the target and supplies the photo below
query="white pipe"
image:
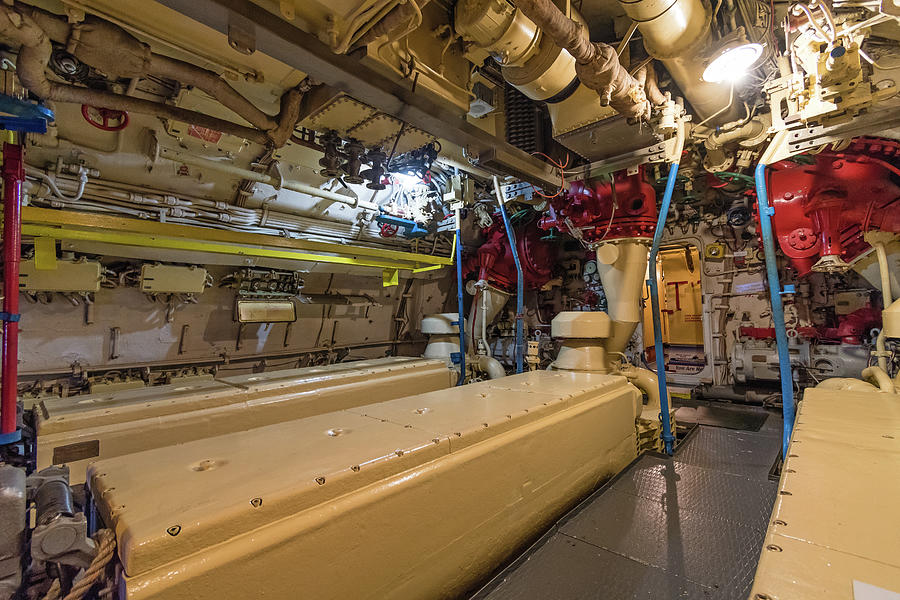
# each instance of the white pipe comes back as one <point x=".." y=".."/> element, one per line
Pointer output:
<point x="646" y="381"/>
<point x="492" y="302"/>
<point x="880" y="376"/>
<point x="846" y="384"/>
<point x="484" y="339"/>
<point x="881" y="253"/>
<point x="51" y="183"/>
<point x="489" y="366"/>
<point x="886" y="301"/>
<point x="294" y="186"/>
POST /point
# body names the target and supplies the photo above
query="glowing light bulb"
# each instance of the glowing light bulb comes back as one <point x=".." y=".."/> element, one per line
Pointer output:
<point x="732" y="63"/>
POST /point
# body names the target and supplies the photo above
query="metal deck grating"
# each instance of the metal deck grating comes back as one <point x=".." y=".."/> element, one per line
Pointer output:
<point x="687" y="527"/>
<point x="729" y="451"/>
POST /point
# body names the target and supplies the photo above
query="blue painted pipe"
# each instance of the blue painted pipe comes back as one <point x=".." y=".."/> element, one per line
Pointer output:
<point x="520" y="290"/>
<point x="459" y="303"/>
<point x="781" y="341"/>
<point x="668" y="438"/>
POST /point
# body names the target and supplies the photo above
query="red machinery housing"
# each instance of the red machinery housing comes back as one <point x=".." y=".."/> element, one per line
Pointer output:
<point x="851" y="329"/>
<point x="494" y="263"/>
<point x="605" y="210"/>
<point x="823" y="209"/>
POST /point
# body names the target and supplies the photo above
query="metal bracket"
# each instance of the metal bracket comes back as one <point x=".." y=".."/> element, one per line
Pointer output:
<point x="241" y="33"/>
<point x="630" y="160"/>
<point x="801" y="140"/>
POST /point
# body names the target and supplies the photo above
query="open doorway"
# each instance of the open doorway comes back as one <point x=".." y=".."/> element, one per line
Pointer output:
<point x="681" y="307"/>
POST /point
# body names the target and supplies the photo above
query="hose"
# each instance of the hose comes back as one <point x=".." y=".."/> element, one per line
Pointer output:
<point x="668" y="438"/>
<point x="520" y="280"/>
<point x="461" y="324"/>
<point x="781" y="341"/>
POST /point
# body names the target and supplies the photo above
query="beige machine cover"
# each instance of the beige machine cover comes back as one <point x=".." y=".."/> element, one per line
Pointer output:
<point x="835" y="529"/>
<point x="76" y="431"/>
<point x="419" y="497"/>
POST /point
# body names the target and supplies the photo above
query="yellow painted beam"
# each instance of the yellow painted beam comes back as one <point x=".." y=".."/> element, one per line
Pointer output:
<point x="390" y="277"/>
<point x="73" y="219"/>
<point x="45" y="253"/>
<point x="155" y="241"/>
<point x="426" y="269"/>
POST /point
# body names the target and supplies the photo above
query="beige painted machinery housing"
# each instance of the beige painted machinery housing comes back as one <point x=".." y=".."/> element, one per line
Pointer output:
<point x="835" y="528"/>
<point x="419" y="497"/>
<point x="77" y="431"/>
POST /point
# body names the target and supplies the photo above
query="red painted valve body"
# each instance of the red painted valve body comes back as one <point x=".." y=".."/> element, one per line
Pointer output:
<point x="493" y="261"/>
<point x="824" y="208"/>
<point x="600" y="213"/>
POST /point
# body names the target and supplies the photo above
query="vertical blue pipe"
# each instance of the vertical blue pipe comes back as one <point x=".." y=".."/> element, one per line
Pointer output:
<point x="667" y="436"/>
<point x="520" y="290"/>
<point x="784" y="357"/>
<point x="459" y="303"/>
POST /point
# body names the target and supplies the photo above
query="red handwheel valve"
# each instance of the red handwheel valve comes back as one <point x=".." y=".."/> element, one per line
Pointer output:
<point x="106" y="119"/>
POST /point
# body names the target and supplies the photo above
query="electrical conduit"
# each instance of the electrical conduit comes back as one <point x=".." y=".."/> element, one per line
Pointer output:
<point x="668" y="438"/>
<point x="520" y="280"/>
<point x="781" y="341"/>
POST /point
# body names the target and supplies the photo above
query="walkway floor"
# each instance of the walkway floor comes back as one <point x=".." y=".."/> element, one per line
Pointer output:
<point x="689" y="526"/>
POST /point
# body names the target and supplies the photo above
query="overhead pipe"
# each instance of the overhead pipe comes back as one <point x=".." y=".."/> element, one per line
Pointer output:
<point x="117" y="53"/>
<point x="716" y="158"/>
<point x="91" y="40"/>
<point x="276" y="182"/>
<point x="520" y="280"/>
<point x="13" y="176"/>
<point x="775" y="291"/>
<point x="514" y="35"/>
<point x="461" y="319"/>
<point x="679" y="34"/>
<point x="668" y="438"/>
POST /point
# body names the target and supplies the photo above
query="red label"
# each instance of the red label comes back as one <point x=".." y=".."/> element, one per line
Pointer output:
<point x="205" y="134"/>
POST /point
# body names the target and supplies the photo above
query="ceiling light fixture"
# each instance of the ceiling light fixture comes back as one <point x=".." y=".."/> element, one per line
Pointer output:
<point x="732" y="60"/>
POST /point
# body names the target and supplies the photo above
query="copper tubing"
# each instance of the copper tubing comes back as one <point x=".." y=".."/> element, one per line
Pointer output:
<point x="596" y="64"/>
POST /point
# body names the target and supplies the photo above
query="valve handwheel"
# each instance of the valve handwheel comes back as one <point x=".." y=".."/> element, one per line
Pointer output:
<point x="106" y="119"/>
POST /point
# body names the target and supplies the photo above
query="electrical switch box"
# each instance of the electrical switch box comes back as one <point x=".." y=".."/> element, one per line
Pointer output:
<point x="72" y="276"/>
<point x="172" y="279"/>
